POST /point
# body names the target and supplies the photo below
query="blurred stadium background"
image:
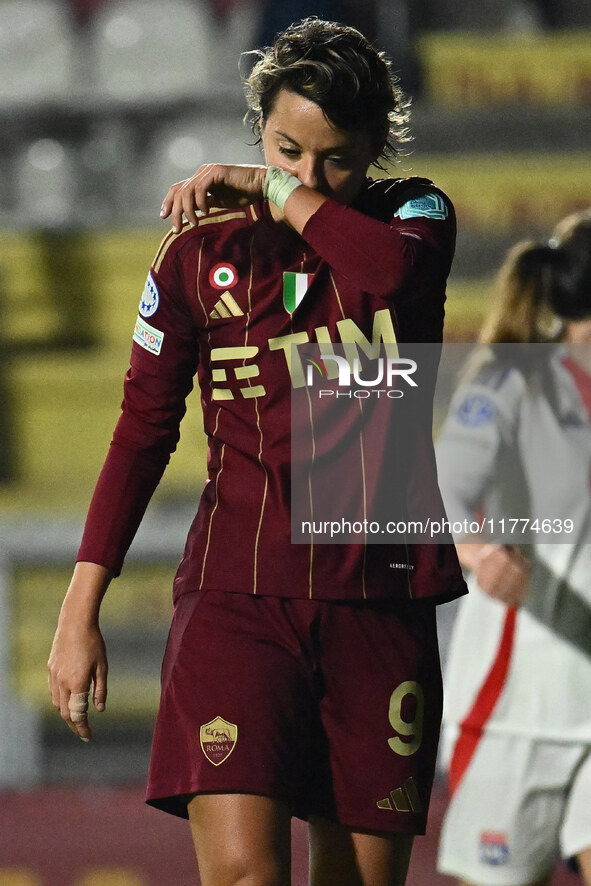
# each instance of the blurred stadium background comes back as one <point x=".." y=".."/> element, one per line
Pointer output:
<point x="103" y="103"/>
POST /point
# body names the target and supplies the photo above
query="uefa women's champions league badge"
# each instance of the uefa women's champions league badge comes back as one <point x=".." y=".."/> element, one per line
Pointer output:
<point x="150" y="298"/>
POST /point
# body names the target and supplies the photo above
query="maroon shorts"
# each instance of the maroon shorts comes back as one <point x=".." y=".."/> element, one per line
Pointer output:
<point x="332" y="708"/>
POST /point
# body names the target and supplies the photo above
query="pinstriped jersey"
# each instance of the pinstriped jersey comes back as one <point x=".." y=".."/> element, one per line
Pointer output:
<point x="226" y="302"/>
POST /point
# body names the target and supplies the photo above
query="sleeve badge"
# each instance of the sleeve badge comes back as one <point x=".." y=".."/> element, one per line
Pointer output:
<point x="150" y="298"/>
<point x="426" y="206"/>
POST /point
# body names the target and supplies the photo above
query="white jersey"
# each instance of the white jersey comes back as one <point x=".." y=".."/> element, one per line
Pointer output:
<point x="518" y="445"/>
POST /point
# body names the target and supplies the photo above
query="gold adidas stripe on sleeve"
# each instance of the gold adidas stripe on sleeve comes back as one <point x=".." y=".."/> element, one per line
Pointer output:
<point x="166" y="243"/>
<point x="206" y="220"/>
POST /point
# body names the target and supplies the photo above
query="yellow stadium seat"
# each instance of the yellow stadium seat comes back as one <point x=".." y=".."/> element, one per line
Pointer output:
<point x="462" y="70"/>
<point x="111" y="877"/>
<point x="18" y="877"/>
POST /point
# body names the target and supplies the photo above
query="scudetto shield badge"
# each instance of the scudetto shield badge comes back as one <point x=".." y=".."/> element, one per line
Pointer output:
<point x="218" y="739"/>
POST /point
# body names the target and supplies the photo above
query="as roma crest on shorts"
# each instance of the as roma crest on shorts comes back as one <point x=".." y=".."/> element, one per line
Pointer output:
<point x="218" y="739"/>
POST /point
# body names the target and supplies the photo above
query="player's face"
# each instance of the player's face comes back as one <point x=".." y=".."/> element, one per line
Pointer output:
<point x="298" y="137"/>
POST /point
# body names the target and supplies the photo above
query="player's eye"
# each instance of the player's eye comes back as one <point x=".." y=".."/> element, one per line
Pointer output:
<point x="288" y="152"/>
<point x="341" y="162"/>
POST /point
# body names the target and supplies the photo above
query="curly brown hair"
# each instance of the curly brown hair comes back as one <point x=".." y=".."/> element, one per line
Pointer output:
<point x="334" y="66"/>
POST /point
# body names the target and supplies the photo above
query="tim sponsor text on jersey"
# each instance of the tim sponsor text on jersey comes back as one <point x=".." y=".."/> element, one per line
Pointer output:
<point x="345" y="367"/>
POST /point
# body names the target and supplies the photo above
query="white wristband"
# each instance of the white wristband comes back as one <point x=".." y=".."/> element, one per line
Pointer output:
<point x="278" y="185"/>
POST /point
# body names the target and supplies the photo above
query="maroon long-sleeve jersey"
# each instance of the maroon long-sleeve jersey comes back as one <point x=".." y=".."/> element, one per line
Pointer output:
<point x="227" y="300"/>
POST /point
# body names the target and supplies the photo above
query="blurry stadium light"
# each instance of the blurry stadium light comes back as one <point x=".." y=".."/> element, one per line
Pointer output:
<point x="186" y="152"/>
<point x="45" y="183"/>
<point x="123" y="31"/>
<point x="46" y="154"/>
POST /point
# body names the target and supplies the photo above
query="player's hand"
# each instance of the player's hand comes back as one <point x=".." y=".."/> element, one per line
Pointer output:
<point x="215" y="184"/>
<point x="78" y="661"/>
<point x="503" y="573"/>
<point x="77" y="669"/>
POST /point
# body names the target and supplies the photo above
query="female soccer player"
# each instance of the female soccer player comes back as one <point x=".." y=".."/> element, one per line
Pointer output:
<point x="299" y="679"/>
<point x="516" y="446"/>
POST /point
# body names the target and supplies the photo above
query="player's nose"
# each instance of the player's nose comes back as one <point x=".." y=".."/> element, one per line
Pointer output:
<point x="310" y="173"/>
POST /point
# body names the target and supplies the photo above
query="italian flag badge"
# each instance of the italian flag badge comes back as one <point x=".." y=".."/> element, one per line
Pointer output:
<point x="295" y="287"/>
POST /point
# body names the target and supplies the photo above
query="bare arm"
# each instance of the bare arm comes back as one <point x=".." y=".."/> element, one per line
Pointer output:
<point x="78" y="656"/>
